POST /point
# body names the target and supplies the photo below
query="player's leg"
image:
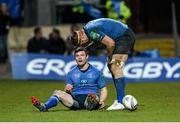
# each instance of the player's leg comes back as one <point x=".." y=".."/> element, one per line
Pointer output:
<point x="69" y="100"/>
<point x="117" y="71"/>
<point x="56" y="97"/>
<point x="116" y="65"/>
<point x="51" y="102"/>
<point x="115" y="105"/>
<point x="120" y="56"/>
<point x="65" y="98"/>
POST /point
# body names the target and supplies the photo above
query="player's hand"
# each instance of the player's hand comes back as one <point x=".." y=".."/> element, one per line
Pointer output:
<point x="102" y="105"/>
<point x="68" y="88"/>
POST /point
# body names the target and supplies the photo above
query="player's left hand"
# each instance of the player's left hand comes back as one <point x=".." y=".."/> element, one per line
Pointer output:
<point x="68" y="88"/>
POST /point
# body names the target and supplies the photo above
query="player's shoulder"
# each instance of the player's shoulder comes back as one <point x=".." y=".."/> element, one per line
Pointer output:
<point x="73" y="70"/>
<point x="95" y="69"/>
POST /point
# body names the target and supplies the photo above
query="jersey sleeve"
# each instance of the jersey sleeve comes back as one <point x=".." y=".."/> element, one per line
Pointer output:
<point x="68" y="79"/>
<point x="93" y="33"/>
<point x="101" y="80"/>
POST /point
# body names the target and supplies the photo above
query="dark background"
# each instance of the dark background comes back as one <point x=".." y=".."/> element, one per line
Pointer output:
<point x="148" y="16"/>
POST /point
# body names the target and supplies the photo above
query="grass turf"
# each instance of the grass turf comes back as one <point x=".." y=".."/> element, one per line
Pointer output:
<point x="157" y="102"/>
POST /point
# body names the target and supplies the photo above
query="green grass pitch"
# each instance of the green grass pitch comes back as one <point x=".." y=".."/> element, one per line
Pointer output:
<point x="157" y="102"/>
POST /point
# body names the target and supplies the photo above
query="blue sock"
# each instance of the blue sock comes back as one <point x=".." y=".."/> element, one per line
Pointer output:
<point x="52" y="101"/>
<point x="120" y="88"/>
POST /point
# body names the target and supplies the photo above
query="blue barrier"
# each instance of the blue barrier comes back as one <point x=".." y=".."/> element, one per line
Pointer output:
<point x="55" y="67"/>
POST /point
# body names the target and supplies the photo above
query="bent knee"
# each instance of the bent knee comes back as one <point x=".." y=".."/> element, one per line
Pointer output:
<point x="59" y="93"/>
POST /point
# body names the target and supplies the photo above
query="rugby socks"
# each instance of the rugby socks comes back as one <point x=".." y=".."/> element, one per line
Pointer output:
<point x="52" y="101"/>
<point x="120" y="88"/>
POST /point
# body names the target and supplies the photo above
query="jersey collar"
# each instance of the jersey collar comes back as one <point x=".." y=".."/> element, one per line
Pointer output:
<point x="86" y="69"/>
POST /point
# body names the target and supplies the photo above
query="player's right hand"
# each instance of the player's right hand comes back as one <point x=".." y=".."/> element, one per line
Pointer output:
<point x="68" y="88"/>
<point x="101" y="105"/>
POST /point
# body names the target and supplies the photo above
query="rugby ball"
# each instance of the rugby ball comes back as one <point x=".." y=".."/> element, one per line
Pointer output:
<point x="130" y="102"/>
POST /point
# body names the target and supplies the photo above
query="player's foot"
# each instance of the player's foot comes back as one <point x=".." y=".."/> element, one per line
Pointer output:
<point x="38" y="104"/>
<point x="116" y="106"/>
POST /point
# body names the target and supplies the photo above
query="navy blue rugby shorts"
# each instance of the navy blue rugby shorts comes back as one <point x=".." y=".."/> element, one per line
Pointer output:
<point x="126" y="43"/>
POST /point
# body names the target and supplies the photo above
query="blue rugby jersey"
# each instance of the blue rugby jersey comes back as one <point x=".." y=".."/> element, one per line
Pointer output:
<point x="97" y="29"/>
<point x="85" y="82"/>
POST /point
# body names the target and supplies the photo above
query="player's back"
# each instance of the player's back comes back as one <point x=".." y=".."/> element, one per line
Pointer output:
<point x="110" y="27"/>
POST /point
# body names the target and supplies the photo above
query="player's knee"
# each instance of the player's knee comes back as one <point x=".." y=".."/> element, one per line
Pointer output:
<point x="55" y="91"/>
<point x="59" y="93"/>
<point x="116" y="67"/>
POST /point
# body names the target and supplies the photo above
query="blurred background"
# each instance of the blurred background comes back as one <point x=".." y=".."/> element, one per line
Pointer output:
<point x="44" y="26"/>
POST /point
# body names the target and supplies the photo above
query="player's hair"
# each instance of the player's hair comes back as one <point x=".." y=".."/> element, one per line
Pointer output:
<point x="80" y="49"/>
<point x="74" y="38"/>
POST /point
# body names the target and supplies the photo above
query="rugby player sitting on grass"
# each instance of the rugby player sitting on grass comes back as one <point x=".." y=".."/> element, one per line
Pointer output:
<point x="85" y="87"/>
